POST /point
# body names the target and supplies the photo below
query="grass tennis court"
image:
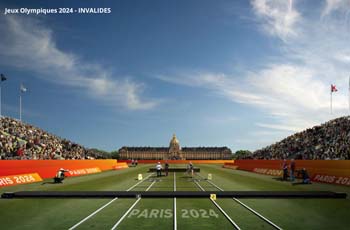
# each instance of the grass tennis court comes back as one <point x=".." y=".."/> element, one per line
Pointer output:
<point x="191" y="213"/>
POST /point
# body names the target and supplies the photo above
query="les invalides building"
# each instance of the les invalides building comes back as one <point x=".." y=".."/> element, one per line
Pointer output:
<point x="174" y="151"/>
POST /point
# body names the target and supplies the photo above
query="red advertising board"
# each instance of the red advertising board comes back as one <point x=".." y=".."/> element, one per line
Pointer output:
<point x="341" y="180"/>
<point x="80" y="172"/>
<point x="325" y="171"/>
<point x="49" y="168"/>
<point x="180" y="161"/>
<point x="122" y="165"/>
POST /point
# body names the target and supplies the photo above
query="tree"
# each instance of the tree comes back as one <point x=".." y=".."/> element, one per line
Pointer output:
<point x="98" y="153"/>
<point x="241" y="154"/>
<point x="114" y="154"/>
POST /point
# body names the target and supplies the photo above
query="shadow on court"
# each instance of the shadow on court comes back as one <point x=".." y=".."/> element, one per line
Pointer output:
<point x="50" y="183"/>
<point x="300" y="183"/>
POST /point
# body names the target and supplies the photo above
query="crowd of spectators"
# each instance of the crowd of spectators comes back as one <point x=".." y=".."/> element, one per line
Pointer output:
<point x="329" y="141"/>
<point x="23" y="141"/>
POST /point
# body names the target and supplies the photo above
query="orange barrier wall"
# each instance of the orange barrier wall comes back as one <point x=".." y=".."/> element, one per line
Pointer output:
<point x="48" y="168"/>
<point x="180" y="161"/>
<point x="122" y="165"/>
<point x="19" y="179"/>
<point x="326" y="171"/>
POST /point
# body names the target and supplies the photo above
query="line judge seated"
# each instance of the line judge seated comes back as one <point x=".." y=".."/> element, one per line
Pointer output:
<point x="60" y="175"/>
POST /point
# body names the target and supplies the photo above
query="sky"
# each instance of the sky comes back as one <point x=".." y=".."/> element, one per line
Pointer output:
<point x="242" y="74"/>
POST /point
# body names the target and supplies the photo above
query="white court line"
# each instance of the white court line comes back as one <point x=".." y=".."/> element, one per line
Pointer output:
<point x="199" y="185"/>
<point x="150" y="185"/>
<point x="222" y="211"/>
<point x="249" y="208"/>
<point x="127" y="212"/>
<point x="214" y="185"/>
<point x="98" y="210"/>
<point x="92" y="214"/>
<point x="175" y="218"/>
<point x="227" y="216"/>
<point x="139" y="182"/>
<point x="258" y="214"/>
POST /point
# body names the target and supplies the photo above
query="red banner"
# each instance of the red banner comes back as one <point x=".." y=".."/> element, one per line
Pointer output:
<point x="122" y="165"/>
<point x="49" y="168"/>
<point x="180" y="161"/>
<point x="325" y="171"/>
<point x="79" y="172"/>
<point x="19" y="179"/>
<point x="342" y="180"/>
<point x="272" y="172"/>
<point x="230" y="165"/>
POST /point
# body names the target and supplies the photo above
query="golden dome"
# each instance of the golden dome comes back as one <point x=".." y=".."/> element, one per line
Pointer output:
<point x="174" y="141"/>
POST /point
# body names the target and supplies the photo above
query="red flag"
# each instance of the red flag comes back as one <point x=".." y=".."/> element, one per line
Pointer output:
<point x="333" y="88"/>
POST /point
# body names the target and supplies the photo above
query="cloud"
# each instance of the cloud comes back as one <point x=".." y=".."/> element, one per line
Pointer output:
<point x="30" y="45"/>
<point x="295" y="88"/>
<point x="220" y="83"/>
<point x="266" y="132"/>
<point x="277" y="127"/>
<point x="343" y="57"/>
<point x="293" y="96"/>
<point x="336" y="5"/>
<point x="279" y="18"/>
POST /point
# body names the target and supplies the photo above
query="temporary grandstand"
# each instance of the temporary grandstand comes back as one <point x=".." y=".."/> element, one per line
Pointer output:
<point x="19" y="140"/>
<point x="328" y="141"/>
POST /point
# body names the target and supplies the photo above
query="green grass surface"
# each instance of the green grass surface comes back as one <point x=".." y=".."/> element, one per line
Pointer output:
<point x="195" y="213"/>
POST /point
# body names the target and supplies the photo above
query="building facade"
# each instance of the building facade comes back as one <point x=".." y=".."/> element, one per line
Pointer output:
<point x="174" y="151"/>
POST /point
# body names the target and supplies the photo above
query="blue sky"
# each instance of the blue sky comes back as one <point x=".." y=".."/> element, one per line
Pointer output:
<point x="241" y="74"/>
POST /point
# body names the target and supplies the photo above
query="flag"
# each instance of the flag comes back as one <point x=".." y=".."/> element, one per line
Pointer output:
<point x="23" y="89"/>
<point x="3" y="78"/>
<point x="333" y="88"/>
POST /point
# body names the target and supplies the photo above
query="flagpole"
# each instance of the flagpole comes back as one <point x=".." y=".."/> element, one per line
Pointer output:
<point x="3" y="78"/>
<point x="0" y="106"/>
<point x="331" y="103"/>
<point x="0" y="100"/>
<point x="20" y="105"/>
<point x="22" y="89"/>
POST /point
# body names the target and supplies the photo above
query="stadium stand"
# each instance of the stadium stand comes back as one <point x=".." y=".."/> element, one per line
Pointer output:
<point x="328" y="141"/>
<point x="19" y="141"/>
